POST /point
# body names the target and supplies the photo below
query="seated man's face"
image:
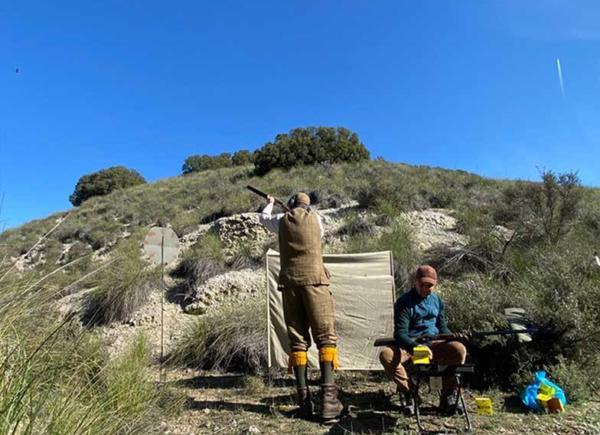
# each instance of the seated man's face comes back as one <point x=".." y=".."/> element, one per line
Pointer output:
<point x="424" y="288"/>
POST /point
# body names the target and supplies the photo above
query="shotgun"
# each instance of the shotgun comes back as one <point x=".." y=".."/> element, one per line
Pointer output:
<point x="516" y="320"/>
<point x="279" y="202"/>
<point x="389" y="341"/>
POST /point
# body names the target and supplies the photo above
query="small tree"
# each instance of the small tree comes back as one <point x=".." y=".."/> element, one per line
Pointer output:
<point x="543" y="210"/>
<point x="103" y="182"/>
<point x="304" y="146"/>
<point x="557" y="203"/>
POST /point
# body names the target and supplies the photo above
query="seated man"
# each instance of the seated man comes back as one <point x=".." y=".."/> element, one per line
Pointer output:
<point x="420" y="311"/>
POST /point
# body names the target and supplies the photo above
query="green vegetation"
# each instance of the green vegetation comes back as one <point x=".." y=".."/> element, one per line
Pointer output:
<point x="398" y="239"/>
<point x="103" y="182"/>
<point x="529" y="245"/>
<point x="232" y="337"/>
<point x="55" y="376"/>
<point x="306" y="146"/>
<point x="242" y="158"/>
<point x="121" y="287"/>
<point x="206" y="162"/>
<point x="203" y="197"/>
<point x="545" y="266"/>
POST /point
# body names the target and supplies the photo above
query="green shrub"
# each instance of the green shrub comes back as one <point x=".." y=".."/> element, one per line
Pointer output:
<point x="579" y="380"/>
<point x="185" y="222"/>
<point x="121" y="288"/>
<point x="390" y="190"/>
<point x="204" y="162"/>
<point x="55" y="377"/>
<point x="204" y="260"/>
<point x="231" y="338"/>
<point x="541" y="211"/>
<point x="485" y="251"/>
<point x="406" y="256"/>
<point x="242" y="158"/>
<point x="386" y="197"/>
<point x="558" y="289"/>
<point x="103" y="182"/>
<point x="400" y="242"/>
<point x="305" y="146"/>
<point x="356" y="225"/>
<point x="590" y="218"/>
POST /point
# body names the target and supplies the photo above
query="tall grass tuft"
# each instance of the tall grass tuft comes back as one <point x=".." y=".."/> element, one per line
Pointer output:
<point x="400" y="241"/>
<point x="122" y="288"/>
<point x="230" y="338"/>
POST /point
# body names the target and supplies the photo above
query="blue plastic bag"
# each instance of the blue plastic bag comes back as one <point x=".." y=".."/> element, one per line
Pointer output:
<point x="530" y="393"/>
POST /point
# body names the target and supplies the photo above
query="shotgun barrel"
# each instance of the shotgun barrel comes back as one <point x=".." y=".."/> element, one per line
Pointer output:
<point x="266" y="196"/>
<point x="389" y="341"/>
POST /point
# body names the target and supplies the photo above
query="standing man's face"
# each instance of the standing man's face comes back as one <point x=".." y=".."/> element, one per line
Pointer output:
<point x="424" y="288"/>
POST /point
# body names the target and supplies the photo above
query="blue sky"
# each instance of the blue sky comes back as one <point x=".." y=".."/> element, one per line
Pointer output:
<point x="459" y="84"/>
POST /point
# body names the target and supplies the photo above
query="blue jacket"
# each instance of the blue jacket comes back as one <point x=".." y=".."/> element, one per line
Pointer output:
<point x="415" y="316"/>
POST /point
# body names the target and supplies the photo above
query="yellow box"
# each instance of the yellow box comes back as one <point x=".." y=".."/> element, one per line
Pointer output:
<point x="420" y="355"/>
<point x="547" y="390"/>
<point x="544" y="399"/>
<point x="484" y="405"/>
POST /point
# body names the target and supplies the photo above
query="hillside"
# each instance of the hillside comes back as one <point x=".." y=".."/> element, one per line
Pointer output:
<point x="496" y="243"/>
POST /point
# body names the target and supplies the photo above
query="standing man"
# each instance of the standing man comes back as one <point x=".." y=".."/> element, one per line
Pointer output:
<point x="307" y="300"/>
<point x="420" y="311"/>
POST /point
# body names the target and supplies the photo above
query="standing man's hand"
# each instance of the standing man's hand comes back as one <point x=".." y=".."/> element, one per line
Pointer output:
<point x="270" y="199"/>
<point x="461" y="336"/>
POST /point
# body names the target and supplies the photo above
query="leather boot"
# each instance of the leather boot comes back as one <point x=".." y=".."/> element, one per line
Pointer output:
<point x="305" y="406"/>
<point x="331" y="407"/>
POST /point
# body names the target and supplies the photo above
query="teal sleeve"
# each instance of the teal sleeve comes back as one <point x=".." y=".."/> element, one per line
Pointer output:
<point x="401" y="325"/>
<point x="442" y="322"/>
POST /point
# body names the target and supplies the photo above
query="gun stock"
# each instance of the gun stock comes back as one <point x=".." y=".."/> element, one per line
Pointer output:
<point x="387" y="341"/>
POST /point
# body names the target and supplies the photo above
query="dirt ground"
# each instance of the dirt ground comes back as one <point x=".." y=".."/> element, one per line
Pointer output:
<point x="240" y="404"/>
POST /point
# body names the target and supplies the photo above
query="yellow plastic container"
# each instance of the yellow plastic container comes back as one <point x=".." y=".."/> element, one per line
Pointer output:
<point x="420" y="355"/>
<point x="543" y="399"/>
<point x="547" y="390"/>
<point x="484" y="405"/>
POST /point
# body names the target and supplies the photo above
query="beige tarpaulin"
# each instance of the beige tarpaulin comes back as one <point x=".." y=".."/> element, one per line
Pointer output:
<point x="363" y="289"/>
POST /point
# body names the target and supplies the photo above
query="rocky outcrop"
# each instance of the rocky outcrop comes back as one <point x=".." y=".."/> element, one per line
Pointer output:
<point x="434" y="229"/>
<point x="241" y="229"/>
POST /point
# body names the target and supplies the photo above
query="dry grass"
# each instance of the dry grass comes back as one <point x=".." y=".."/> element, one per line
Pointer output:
<point x="229" y="338"/>
<point x="120" y="289"/>
<point x="55" y="377"/>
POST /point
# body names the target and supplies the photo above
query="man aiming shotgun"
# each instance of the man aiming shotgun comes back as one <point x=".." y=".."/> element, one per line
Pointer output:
<point x="307" y="301"/>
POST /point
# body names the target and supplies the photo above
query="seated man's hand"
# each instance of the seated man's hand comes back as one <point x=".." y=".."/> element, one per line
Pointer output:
<point x="461" y="336"/>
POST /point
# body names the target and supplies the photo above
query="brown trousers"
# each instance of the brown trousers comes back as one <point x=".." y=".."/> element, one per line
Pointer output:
<point x="309" y="307"/>
<point x="394" y="359"/>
